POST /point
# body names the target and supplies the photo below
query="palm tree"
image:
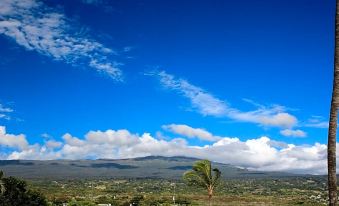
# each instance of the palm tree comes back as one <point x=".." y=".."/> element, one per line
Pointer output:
<point x="2" y="185"/>
<point x="332" y="129"/>
<point x="202" y="175"/>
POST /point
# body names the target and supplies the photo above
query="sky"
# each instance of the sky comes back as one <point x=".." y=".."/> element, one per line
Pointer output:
<point x="240" y="82"/>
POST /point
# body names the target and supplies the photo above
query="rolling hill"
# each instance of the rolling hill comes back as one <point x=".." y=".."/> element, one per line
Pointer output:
<point x="142" y="167"/>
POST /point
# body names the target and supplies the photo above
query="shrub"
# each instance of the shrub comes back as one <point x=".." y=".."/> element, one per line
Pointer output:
<point x="16" y="194"/>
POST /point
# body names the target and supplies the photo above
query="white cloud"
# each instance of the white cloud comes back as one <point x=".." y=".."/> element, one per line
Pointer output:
<point x="207" y="104"/>
<point x="190" y="132"/>
<point x="261" y="153"/>
<point x="265" y="117"/>
<point x="293" y="133"/>
<point x="53" y="144"/>
<point x="119" y="138"/>
<point x="72" y="141"/>
<point x="13" y="141"/>
<point x="37" y="27"/>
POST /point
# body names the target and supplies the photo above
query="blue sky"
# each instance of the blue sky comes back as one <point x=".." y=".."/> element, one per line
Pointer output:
<point x="239" y="69"/>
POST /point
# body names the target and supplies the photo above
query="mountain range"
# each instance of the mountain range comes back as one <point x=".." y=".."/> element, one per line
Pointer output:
<point x="141" y="167"/>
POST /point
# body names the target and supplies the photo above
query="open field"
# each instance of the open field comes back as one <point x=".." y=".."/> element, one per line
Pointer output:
<point x="271" y="191"/>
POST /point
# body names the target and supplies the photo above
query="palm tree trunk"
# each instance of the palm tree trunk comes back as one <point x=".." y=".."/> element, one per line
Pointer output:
<point x="2" y="184"/>
<point x="210" y="193"/>
<point x="332" y="130"/>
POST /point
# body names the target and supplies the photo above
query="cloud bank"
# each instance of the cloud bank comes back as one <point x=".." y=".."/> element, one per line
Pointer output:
<point x="261" y="153"/>
<point x="35" y="26"/>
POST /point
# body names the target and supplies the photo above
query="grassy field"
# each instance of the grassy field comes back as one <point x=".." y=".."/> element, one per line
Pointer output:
<point x="265" y="191"/>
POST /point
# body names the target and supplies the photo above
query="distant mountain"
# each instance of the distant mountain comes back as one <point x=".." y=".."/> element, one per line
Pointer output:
<point x="141" y="167"/>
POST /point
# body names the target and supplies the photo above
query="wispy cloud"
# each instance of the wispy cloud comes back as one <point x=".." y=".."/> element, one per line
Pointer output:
<point x="103" y="4"/>
<point x="316" y="122"/>
<point x="36" y="27"/>
<point x="5" y="111"/>
<point x="127" y="49"/>
<point x="91" y="1"/>
<point x="323" y="124"/>
<point x="201" y="100"/>
<point x="207" y="104"/>
<point x="261" y="153"/>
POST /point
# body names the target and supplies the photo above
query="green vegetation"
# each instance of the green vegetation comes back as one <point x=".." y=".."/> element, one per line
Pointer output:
<point x="155" y="181"/>
<point x="246" y="191"/>
<point x="202" y="176"/>
<point x="14" y="192"/>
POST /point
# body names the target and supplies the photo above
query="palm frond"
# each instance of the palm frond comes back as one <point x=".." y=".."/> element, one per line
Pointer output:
<point x="216" y="177"/>
<point x="202" y="174"/>
<point x="193" y="178"/>
<point x="203" y="168"/>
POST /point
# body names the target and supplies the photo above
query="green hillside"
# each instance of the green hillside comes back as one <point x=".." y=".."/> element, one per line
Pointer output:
<point x="143" y="167"/>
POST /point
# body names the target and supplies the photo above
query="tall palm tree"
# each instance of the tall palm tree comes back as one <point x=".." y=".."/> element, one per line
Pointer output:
<point x="202" y="175"/>
<point x="332" y="129"/>
<point x="2" y="185"/>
